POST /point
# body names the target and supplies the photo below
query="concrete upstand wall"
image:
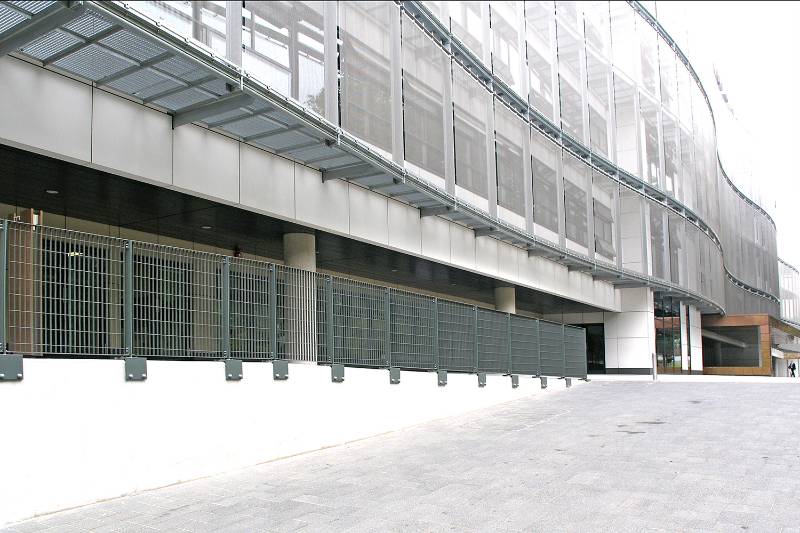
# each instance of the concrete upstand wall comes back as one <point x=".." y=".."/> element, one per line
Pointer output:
<point x="75" y="432"/>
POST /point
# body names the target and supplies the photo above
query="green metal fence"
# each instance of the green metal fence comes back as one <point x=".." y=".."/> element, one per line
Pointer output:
<point x="71" y="294"/>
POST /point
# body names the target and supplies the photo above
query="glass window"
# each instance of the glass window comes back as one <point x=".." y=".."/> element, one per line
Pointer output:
<point x="506" y="54"/>
<point x="625" y="109"/>
<point x="668" y="334"/>
<point x="631" y="206"/>
<point x="576" y="176"/>
<point x="570" y="52"/>
<point x="677" y="251"/>
<point x="604" y="207"/>
<point x="544" y="159"/>
<point x="597" y="29"/>
<point x="466" y="20"/>
<point x="284" y="48"/>
<point x="425" y="71"/>
<point x="540" y="29"/>
<point x="672" y="161"/>
<point x="510" y="131"/>
<point x="687" y="192"/>
<point x="658" y="241"/>
<point x="648" y="41"/>
<point x="570" y="14"/>
<point x="624" y="44"/>
<point x="202" y="21"/>
<point x="598" y="74"/>
<point x="365" y="62"/>
<point x="651" y="161"/>
<point x="745" y="352"/>
<point x="669" y="76"/>
<point x="471" y="108"/>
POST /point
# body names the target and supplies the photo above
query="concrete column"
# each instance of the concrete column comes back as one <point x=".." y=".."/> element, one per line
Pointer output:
<point x="695" y="339"/>
<point x="297" y="298"/>
<point x="630" y="334"/>
<point x="505" y="299"/>
<point x="300" y="251"/>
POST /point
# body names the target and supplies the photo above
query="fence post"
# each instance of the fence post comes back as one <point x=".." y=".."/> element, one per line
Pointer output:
<point x="436" y="333"/>
<point x="226" y="307"/>
<point x="3" y="285"/>
<point x="127" y="297"/>
<point x="273" y="310"/>
<point x="475" y="336"/>
<point x="508" y="341"/>
<point x="387" y="313"/>
<point x="563" y="351"/>
<point x="329" y="317"/>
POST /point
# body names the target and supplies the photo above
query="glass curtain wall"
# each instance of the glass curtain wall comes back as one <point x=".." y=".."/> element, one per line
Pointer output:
<point x="668" y="334"/>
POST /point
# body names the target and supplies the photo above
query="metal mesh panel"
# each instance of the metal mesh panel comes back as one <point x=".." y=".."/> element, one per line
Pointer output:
<point x="297" y="310"/>
<point x="493" y="330"/>
<point x="413" y="330"/>
<point x="359" y="323"/>
<point x="456" y="337"/>
<point x="177" y="302"/>
<point x="524" y="345"/>
<point x="250" y="319"/>
<point x="551" y="348"/>
<point x="574" y="352"/>
<point x="64" y="292"/>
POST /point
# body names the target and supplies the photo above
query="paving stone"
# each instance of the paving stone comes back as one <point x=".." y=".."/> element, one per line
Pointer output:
<point x="606" y="456"/>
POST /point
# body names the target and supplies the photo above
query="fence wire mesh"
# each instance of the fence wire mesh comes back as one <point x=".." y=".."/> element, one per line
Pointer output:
<point x="75" y="294"/>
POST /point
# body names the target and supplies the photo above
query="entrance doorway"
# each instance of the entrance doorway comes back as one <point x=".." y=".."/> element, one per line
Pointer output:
<point x="595" y="348"/>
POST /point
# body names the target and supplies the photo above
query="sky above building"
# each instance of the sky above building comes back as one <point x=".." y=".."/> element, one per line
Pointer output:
<point x="754" y="46"/>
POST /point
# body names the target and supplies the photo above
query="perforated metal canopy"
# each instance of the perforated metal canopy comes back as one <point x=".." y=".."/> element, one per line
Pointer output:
<point x="115" y="47"/>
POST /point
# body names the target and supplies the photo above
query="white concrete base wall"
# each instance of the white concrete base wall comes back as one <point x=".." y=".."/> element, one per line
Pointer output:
<point x="695" y="338"/>
<point x="75" y="432"/>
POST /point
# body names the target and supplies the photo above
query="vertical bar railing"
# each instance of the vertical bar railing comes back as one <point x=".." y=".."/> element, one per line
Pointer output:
<point x="475" y="336"/>
<point x="329" y="329"/>
<point x="127" y="298"/>
<point x="508" y="340"/>
<point x="272" y="305"/>
<point x="387" y="334"/>
<point x="435" y="303"/>
<point x="3" y="284"/>
<point x="226" y="307"/>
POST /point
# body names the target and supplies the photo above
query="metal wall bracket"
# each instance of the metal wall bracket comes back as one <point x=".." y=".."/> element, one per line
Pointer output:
<point x="10" y="367"/>
<point x="337" y="373"/>
<point x="135" y="369"/>
<point x="280" y="369"/>
<point x="394" y="376"/>
<point x="233" y="369"/>
<point x="568" y="381"/>
<point x="441" y="377"/>
<point x="514" y="381"/>
<point x="481" y="379"/>
<point x="544" y="382"/>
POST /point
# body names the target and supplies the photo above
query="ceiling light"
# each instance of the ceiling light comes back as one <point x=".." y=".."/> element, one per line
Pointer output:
<point x="51" y="191"/>
<point x="206" y="227"/>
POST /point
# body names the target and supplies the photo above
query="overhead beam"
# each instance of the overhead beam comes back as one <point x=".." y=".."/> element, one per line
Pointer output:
<point x="298" y="147"/>
<point x="200" y="111"/>
<point x="350" y="171"/>
<point x="629" y="284"/>
<point x="134" y="68"/>
<point x="579" y="268"/>
<point x="483" y="232"/>
<point x="434" y="211"/>
<point x="271" y="133"/>
<point x="39" y="25"/>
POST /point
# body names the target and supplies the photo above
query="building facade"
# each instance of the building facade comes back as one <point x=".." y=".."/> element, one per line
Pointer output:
<point x="551" y="160"/>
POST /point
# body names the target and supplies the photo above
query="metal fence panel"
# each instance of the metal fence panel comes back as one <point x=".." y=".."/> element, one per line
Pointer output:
<point x="297" y="310"/>
<point x="456" y="336"/>
<point x="250" y="321"/>
<point x="493" y="333"/>
<point x="551" y="348"/>
<point x="64" y="292"/>
<point x="574" y="352"/>
<point x="359" y="324"/>
<point x="413" y="330"/>
<point x="525" y="346"/>
<point x="177" y="302"/>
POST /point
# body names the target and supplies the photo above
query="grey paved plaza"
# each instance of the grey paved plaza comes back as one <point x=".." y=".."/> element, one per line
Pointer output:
<point x="614" y="456"/>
